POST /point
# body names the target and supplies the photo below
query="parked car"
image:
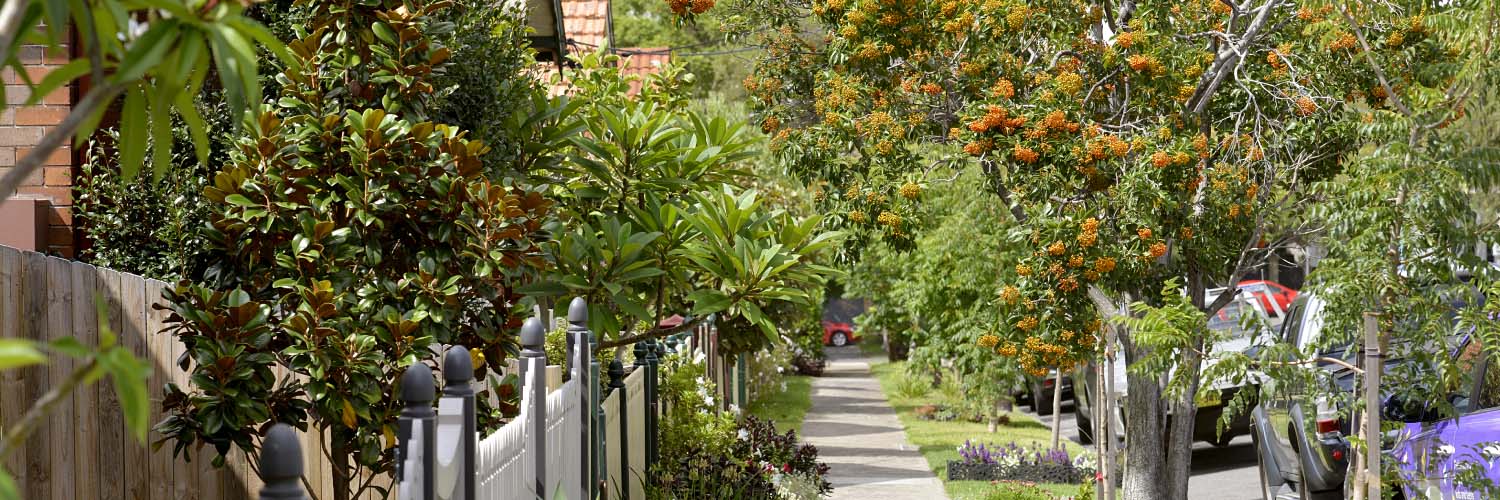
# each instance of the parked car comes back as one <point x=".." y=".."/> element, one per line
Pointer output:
<point x="1038" y="392"/>
<point x="1274" y="296"/>
<point x="1242" y="322"/>
<point x="1300" y="441"/>
<point x="838" y="334"/>
<point x="1432" y="456"/>
<point x="1300" y="437"/>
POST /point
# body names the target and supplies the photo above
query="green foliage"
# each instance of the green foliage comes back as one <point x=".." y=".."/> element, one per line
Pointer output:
<point x="651" y="224"/>
<point x="159" y="68"/>
<point x="145" y="226"/>
<point x="491" y="90"/>
<point x="351" y="234"/>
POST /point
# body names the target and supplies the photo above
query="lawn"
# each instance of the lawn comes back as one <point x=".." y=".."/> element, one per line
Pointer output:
<point x="785" y="408"/>
<point x="939" y="441"/>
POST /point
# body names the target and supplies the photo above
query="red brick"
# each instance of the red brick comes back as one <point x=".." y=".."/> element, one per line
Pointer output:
<point x="8" y="116"/>
<point x="59" y="195"/>
<point x="37" y="73"/>
<point x="61" y="157"/>
<point x="62" y="95"/>
<point x="58" y="55"/>
<point x="57" y="176"/>
<point x="30" y="54"/>
<point x="17" y="94"/>
<point x="20" y="136"/>
<point x="60" y="235"/>
<point x="40" y="115"/>
<point x="60" y="216"/>
<point x="32" y="179"/>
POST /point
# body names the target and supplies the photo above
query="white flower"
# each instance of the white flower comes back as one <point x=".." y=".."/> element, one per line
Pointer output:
<point x="733" y="408"/>
<point x="744" y="434"/>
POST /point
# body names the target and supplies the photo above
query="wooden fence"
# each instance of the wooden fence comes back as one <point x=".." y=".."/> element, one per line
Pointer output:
<point x="83" y="450"/>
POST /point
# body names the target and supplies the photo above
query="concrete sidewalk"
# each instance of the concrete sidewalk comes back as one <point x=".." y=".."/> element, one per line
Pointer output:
<point x="859" y="437"/>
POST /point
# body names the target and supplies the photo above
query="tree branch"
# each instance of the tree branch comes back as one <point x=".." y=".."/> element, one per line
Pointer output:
<point x="16" y="436"/>
<point x="651" y="334"/>
<point x="1379" y="73"/>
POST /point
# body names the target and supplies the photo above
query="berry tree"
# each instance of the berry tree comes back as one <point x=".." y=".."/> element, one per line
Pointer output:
<point x="1135" y="142"/>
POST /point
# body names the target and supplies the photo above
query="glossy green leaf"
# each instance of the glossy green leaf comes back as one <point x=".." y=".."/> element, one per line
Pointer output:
<point x="134" y="131"/>
<point x="15" y="353"/>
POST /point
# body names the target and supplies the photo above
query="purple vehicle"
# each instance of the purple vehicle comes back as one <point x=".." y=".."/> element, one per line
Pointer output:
<point x="1453" y="458"/>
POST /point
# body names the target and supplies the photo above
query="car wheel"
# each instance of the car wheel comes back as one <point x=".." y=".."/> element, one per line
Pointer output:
<point x="1267" y="492"/>
<point x="1085" y="426"/>
<point x="839" y="339"/>
<point x="1041" y="400"/>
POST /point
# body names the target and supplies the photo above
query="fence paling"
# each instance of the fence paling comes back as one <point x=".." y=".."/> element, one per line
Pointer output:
<point x="84" y="450"/>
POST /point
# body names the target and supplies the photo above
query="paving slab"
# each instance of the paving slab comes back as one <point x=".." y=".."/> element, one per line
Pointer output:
<point x="860" y="438"/>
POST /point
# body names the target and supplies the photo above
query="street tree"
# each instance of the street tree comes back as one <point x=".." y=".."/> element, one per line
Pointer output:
<point x="1135" y="142"/>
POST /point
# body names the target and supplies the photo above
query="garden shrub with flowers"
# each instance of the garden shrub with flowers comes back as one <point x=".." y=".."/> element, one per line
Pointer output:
<point x="1034" y="463"/>
<point x="706" y="454"/>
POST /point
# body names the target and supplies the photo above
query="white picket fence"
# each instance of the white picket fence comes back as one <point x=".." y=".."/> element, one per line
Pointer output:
<point x="575" y="441"/>
<point x="505" y="460"/>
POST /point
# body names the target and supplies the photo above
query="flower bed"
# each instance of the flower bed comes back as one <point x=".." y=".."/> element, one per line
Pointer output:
<point x="1012" y="462"/>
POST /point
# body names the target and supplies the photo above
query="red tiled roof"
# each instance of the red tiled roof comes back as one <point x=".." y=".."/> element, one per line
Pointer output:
<point x="586" y="22"/>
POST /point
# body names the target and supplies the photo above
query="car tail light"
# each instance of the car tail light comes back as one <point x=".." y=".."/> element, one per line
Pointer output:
<point x="1327" y="420"/>
<point x="1048" y="382"/>
<point x="1338" y="454"/>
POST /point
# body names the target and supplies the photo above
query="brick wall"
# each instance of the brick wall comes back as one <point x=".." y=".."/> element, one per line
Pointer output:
<point x="21" y="127"/>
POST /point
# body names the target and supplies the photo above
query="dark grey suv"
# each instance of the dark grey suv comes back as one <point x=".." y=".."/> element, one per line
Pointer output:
<point x="1299" y="438"/>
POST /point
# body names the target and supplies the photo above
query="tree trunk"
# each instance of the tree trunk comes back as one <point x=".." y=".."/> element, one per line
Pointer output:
<point x="340" y="454"/>
<point x="1057" y="410"/>
<point x="1145" y="454"/>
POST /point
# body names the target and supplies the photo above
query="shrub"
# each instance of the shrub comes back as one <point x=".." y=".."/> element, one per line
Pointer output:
<point x="982" y="461"/>
<point x="705" y="454"/>
<point x="148" y="226"/>
<point x="912" y="386"/>
<point x="1017" y="490"/>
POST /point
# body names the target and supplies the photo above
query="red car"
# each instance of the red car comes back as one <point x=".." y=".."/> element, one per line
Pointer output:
<point x="838" y="334"/>
<point x="1270" y="291"/>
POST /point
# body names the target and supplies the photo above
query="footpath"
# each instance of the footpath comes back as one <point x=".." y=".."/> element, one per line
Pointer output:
<point x="860" y="438"/>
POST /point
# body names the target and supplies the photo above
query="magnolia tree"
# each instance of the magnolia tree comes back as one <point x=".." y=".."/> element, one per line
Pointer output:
<point x="1135" y="143"/>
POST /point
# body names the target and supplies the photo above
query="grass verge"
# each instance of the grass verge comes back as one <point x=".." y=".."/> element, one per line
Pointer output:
<point x="939" y="441"/>
<point x="785" y="408"/>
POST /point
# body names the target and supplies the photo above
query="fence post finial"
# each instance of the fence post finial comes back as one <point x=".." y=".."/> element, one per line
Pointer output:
<point x="457" y="410"/>
<point x="416" y="433"/>
<point x="533" y="338"/>
<point x="281" y="465"/>
<point x="578" y="312"/>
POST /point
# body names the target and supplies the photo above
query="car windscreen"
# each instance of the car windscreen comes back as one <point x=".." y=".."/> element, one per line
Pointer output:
<point x="1238" y="319"/>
